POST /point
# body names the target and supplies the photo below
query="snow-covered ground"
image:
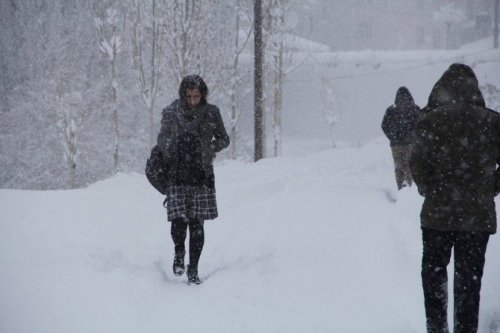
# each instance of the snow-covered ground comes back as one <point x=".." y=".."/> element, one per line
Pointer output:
<point x="308" y="242"/>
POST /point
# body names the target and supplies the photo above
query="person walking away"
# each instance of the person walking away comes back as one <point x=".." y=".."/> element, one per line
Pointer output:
<point x="454" y="164"/>
<point x="398" y="124"/>
<point x="192" y="132"/>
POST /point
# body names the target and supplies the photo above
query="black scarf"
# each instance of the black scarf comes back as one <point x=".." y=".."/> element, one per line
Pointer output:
<point x="190" y="171"/>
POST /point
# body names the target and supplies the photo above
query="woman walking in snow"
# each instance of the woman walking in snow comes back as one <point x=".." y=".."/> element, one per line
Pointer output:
<point x="192" y="132"/>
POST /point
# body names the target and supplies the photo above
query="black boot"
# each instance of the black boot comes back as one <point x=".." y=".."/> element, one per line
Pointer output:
<point x="178" y="266"/>
<point x="192" y="274"/>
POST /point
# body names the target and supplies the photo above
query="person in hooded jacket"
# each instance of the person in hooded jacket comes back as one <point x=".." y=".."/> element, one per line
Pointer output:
<point x="398" y="124"/>
<point x="192" y="132"/>
<point x="454" y="164"/>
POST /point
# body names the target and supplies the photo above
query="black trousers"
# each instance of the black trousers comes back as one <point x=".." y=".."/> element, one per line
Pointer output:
<point x="196" y="238"/>
<point x="469" y="252"/>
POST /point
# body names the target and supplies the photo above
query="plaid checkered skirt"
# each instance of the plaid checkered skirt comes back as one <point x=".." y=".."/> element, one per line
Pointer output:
<point x="185" y="201"/>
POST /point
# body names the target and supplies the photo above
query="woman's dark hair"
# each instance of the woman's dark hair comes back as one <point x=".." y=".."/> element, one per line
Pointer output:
<point x="193" y="82"/>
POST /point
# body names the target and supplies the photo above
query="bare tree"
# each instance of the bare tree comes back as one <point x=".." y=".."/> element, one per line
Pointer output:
<point x="196" y="40"/>
<point x="148" y="53"/>
<point x="259" y="127"/>
<point x="282" y="63"/>
<point x="328" y="106"/>
<point x="70" y="115"/>
<point x="237" y="74"/>
<point x="110" y="27"/>
<point x="495" y="23"/>
<point x="276" y="48"/>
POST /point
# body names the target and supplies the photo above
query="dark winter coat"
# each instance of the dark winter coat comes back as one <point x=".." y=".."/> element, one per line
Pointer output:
<point x="189" y="140"/>
<point x="455" y="156"/>
<point x="400" y="119"/>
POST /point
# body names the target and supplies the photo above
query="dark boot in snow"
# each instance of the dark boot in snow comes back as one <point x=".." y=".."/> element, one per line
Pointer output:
<point x="178" y="266"/>
<point x="192" y="274"/>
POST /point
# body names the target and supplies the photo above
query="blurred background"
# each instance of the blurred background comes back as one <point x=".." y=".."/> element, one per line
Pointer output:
<point x="83" y="84"/>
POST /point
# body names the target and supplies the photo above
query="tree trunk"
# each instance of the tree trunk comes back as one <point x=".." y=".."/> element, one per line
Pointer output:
<point x="148" y="84"/>
<point x="153" y="81"/>
<point x="495" y="26"/>
<point x="332" y="134"/>
<point x="152" y="131"/>
<point x="278" y="99"/>
<point x="232" y="121"/>
<point x="258" y="82"/>
<point x="234" y="82"/>
<point x="68" y="132"/>
<point x="448" y="35"/>
<point x="233" y="143"/>
<point x="116" y="152"/>
<point x="72" y="169"/>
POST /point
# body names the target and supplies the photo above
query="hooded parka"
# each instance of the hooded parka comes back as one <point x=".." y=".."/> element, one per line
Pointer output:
<point x="400" y="119"/>
<point x="456" y="155"/>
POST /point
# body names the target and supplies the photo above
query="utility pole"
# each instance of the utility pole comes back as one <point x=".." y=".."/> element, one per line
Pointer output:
<point x="258" y="82"/>
<point x="495" y="25"/>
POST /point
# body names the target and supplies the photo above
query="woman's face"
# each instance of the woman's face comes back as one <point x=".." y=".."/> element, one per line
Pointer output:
<point x="193" y="98"/>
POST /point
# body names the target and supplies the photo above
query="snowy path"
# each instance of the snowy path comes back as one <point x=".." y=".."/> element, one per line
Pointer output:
<point x="303" y="244"/>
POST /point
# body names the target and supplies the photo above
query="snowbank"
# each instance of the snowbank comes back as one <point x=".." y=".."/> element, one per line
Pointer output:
<point x="304" y="243"/>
